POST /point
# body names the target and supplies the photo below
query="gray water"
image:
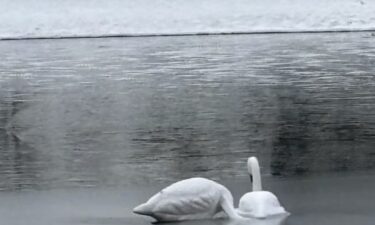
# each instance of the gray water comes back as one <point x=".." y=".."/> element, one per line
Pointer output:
<point x="89" y="128"/>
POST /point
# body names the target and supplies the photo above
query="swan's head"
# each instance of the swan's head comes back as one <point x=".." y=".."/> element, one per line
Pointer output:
<point x="254" y="173"/>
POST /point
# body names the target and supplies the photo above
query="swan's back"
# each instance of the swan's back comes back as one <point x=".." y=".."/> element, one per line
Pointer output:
<point x="259" y="204"/>
<point x="194" y="198"/>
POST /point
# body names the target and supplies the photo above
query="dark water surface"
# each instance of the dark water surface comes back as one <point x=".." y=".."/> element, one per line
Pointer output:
<point x="101" y="124"/>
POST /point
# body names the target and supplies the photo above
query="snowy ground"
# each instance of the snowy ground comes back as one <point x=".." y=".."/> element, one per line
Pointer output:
<point x="54" y="18"/>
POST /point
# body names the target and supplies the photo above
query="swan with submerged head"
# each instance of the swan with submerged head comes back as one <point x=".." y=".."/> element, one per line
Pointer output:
<point x="201" y="198"/>
<point x="258" y="203"/>
<point x="190" y="199"/>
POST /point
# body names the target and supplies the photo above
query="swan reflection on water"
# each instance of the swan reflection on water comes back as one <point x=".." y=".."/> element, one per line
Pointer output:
<point x="273" y="220"/>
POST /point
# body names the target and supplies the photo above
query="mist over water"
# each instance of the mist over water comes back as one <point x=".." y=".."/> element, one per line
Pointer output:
<point x="130" y="112"/>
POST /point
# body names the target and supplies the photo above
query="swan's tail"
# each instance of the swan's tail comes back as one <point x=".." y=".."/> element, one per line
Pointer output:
<point x="143" y="209"/>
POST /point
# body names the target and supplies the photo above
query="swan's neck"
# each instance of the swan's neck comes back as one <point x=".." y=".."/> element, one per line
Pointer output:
<point x="254" y="170"/>
<point x="227" y="204"/>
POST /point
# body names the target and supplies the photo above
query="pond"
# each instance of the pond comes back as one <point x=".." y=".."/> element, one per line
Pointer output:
<point x="102" y="124"/>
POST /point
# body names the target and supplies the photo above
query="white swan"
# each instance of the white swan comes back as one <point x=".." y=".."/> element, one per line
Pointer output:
<point x="190" y="199"/>
<point x="200" y="198"/>
<point x="258" y="203"/>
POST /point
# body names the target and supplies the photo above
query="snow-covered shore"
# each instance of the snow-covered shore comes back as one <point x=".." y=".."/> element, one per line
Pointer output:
<point x="74" y="18"/>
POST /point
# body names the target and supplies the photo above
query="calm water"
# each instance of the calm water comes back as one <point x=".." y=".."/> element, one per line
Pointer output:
<point x="101" y="124"/>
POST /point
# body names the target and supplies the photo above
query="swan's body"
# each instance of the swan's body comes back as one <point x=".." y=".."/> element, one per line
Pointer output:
<point x="258" y="203"/>
<point x="190" y="199"/>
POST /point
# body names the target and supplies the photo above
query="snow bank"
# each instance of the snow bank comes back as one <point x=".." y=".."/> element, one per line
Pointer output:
<point x="59" y="18"/>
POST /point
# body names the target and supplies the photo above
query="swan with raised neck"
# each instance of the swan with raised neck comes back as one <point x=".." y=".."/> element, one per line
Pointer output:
<point x="258" y="203"/>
